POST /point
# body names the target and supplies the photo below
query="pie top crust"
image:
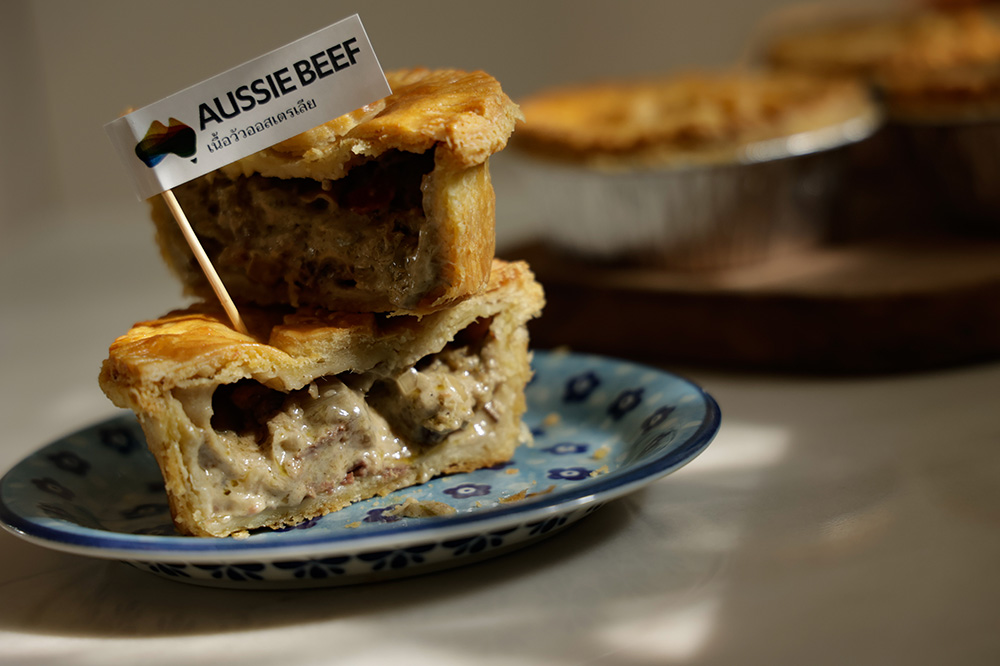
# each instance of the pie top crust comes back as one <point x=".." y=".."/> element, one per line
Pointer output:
<point x="881" y="46"/>
<point x="692" y="117"/>
<point x="465" y="115"/>
<point x="931" y="66"/>
<point x="970" y="93"/>
<point x="287" y="349"/>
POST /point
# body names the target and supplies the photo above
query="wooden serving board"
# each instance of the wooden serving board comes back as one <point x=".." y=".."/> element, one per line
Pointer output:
<point x="873" y="306"/>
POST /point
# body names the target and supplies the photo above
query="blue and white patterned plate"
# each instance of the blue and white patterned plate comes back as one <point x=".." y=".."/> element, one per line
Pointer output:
<point x="602" y="428"/>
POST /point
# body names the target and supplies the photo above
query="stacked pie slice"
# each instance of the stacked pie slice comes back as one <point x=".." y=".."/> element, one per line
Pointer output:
<point x="386" y="343"/>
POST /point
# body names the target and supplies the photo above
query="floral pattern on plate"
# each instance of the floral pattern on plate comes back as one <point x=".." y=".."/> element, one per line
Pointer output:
<point x="602" y="428"/>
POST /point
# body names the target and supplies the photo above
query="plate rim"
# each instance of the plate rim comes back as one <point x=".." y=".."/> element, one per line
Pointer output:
<point x="103" y="544"/>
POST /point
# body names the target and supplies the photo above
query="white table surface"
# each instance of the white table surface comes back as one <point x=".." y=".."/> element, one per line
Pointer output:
<point x="832" y="521"/>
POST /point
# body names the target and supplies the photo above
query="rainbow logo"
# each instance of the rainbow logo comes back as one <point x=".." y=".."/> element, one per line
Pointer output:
<point x="161" y="140"/>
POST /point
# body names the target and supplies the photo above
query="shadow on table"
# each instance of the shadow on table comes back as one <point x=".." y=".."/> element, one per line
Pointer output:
<point x="96" y="598"/>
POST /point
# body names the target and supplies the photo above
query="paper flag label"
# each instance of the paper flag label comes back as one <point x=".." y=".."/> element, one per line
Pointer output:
<point x="248" y="108"/>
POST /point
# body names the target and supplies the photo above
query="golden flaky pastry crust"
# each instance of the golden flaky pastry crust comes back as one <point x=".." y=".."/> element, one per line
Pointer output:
<point x="691" y="117"/>
<point x="464" y="115"/>
<point x="167" y="371"/>
<point x="873" y="47"/>
<point x="930" y="65"/>
<point x="970" y="93"/>
<point x="197" y="345"/>
<point x="387" y="209"/>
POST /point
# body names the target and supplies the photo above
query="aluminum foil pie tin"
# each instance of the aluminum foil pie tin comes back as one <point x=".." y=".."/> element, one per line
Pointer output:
<point x="771" y="197"/>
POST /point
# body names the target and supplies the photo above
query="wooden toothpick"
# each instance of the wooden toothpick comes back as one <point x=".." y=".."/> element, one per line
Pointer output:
<point x="204" y="262"/>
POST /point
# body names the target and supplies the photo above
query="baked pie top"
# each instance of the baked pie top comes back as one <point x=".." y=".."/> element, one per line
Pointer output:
<point x="287" y="349"/>
<point x="465" y="114"/>
<point x="699" y="117"/>
<point x="880" y="46"/>
<point x="930" y="65"/>
<point x="870" y="47"/>
<point x="958" y="94"/>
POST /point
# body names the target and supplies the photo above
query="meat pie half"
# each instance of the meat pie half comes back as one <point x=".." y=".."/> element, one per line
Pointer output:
<point x="388" y="209"/>
<point x="315" y="409"/>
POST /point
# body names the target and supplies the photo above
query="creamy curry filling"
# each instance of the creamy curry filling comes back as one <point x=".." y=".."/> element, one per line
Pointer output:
<point x="358" y="234"/>
<point x="265" y="449"/>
